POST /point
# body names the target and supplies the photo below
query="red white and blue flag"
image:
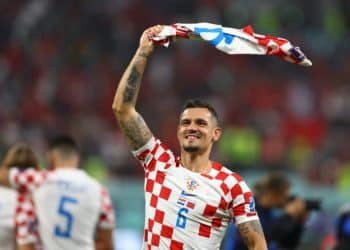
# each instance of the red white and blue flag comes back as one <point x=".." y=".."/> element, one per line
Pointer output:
<point x="234" y="41"/>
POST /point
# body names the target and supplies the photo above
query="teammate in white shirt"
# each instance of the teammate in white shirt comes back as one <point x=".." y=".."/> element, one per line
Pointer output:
<point x="191" y="199"/>
<point x="17" y="216"/>
<point x="74" y="211"/>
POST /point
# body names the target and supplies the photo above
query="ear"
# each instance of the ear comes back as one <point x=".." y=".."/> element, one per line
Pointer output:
<point x="178" y="132"/>
<point x="51" y="159"/>
<point x="216" y="134"/>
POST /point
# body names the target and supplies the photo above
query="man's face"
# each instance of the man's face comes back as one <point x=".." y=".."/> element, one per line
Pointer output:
<point x="197" y="130"/>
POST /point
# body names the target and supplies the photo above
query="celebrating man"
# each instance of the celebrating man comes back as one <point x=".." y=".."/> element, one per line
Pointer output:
<point x="191" y="199"/>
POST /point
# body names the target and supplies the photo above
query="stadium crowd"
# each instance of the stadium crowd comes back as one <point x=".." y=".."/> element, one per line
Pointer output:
<point x="60" y="62"/>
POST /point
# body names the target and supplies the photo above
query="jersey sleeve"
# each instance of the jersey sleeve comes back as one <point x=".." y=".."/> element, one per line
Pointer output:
<point x="154" y="154"/>
<point x="106" y="217"/>
<point x="26" y="181"/>
<point x="25" y="221"/>
<point x="243" y="203"/>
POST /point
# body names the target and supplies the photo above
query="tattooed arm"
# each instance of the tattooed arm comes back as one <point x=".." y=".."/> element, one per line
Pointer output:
<point x="131" y="122"/>
<point x="253" y="235"/>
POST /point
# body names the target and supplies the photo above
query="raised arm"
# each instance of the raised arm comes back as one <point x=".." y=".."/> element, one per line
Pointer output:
<point x="131" y="122"/>
<point x="253" y="235"/>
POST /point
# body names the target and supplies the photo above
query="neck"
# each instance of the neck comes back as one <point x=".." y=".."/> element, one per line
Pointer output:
<point x="196" y="162"/>
<point x="66" y="164"/>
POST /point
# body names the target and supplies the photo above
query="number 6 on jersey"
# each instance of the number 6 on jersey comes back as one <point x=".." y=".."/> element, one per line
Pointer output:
<point x="181" y="217"/>
<point x="65" y="232"/>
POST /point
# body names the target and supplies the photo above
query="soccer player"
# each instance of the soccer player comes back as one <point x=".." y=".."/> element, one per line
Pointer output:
<point x="17" y="217"/>
<point x="74" y="211"/>
<point x="191" y="199"/>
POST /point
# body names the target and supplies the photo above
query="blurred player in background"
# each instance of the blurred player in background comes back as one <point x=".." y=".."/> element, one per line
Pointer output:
<point x="189" y="200"/>
<point x="74" y="211"/>
<point x="282" y="216"/>
<point x="343" y="229"/>
<point x="17" y="216"/>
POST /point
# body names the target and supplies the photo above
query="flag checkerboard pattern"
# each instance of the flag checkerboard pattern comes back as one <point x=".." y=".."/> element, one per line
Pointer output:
<point x="26" y="221"/>
<point x="234" y="41"/>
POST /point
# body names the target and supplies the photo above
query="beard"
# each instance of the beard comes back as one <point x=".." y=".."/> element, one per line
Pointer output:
<point x="191" y="149"/>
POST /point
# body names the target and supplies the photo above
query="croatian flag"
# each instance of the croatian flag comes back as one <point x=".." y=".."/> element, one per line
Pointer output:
<point x="234" y="41"/>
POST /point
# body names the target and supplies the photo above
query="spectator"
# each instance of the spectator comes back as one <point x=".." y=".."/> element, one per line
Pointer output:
<point x="283" y="230"/>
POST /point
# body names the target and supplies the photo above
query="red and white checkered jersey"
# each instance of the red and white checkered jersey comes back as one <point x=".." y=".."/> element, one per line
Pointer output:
<point x="16" y="217"/>
<point x="189" y="210"/>
<point x="69" y="206"/>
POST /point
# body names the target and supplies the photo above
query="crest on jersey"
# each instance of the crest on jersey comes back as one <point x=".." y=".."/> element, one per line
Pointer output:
<point x="191" y="185"/>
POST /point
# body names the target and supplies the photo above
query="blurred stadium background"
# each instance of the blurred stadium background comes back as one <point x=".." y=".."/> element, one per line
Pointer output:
<point x="60" y="62"/>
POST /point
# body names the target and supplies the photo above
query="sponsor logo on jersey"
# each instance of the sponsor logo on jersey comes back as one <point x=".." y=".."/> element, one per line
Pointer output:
<point x="183" y="193"/>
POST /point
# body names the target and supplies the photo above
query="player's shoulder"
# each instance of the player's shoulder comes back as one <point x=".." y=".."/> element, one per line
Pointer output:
<point x="155" y="150"/>
<point x="153" y="145"/>
<point x="74" y="175"/>
<point x="89" y="179"/>
<point x="8" y="195"/>
<point x="7" y="191"/>
<point x="231" y="183"/>
<point x="223" y="173"/>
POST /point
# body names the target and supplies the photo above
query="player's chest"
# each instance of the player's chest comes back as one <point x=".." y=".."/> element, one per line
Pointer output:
<point x="184" y="191"/>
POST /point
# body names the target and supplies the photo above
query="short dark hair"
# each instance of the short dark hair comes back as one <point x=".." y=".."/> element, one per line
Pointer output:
<point x="275" y="182"/>
<point x="21" y="156"/>
<point x="195" y="103"/>
<point x="65" y="144"/>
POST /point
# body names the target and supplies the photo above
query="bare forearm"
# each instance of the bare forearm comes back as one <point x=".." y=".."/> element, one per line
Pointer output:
<point x="131" y="122"/>
<point x="129" y="85"/>
<point x="253" y="235"/>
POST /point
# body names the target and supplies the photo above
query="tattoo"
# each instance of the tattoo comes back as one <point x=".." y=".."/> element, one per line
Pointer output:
<point x="142" y="54"/>
<point x="131" y="88"/>
<point x="257" y="227"/>
<point x="246" y="229"/>
<point x="136" y="131"/>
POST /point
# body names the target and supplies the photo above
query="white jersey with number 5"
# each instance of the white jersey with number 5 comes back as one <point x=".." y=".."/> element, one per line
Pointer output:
<point x="69" y="206"/>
